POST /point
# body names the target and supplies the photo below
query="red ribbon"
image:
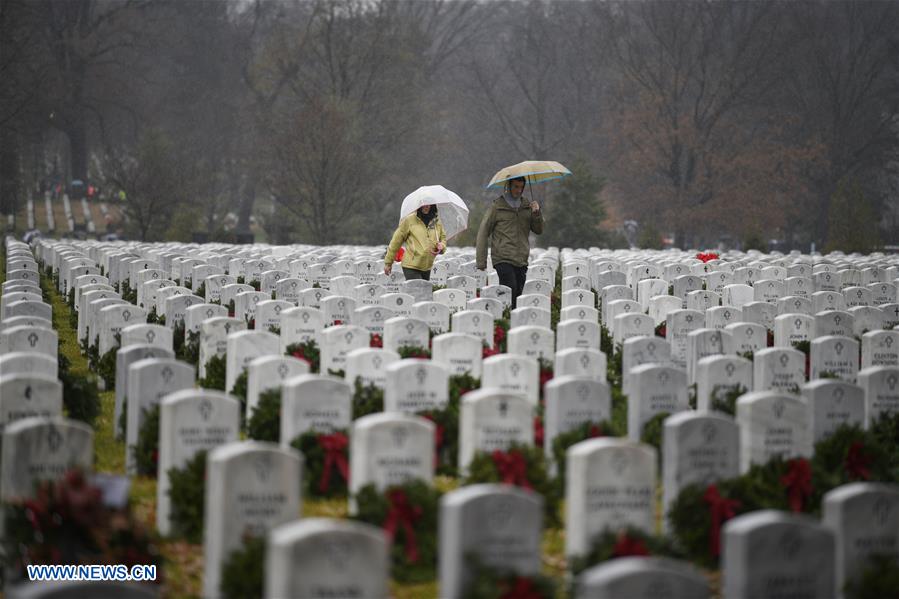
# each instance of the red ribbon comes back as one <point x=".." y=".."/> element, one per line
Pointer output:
<point x="721" y="510"/>
<point x="857" y="462"/>
<point x="538" y="431"/>
<point x="662" y="330"/>
<point x="798" y="482"/>
<point x="298" y="354"/>
<point x="545" y="376"/>
<point x="376" y="341"/>
<point x="487" y="351"/>
<point x="335" y="446"/>
<point x="521" y="588"/>
<point x="402" y="514"/>
<point x="438" y="438"/>
<point x="512" y="468"/>
<point x="626" y="546"/>
<point x="595" y="431"/>
<point x="499" y="334"/>
<point x="337" y="322"/>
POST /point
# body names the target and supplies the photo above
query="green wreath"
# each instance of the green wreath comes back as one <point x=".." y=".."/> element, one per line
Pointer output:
<point x="484" y="469"/>
<point x="374" y="507"/>
<point x="314" y="462"/>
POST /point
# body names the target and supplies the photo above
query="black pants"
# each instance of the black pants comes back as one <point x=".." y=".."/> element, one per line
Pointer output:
<point x="412" y="273"/>
<point x="512" y="277"/>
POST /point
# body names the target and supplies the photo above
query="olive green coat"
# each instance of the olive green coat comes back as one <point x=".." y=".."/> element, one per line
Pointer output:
<point x="507" y="230"/>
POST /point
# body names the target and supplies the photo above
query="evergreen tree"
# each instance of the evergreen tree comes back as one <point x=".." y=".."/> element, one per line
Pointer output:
<point x="853" y="223"/>
<point x="573" y="214"/>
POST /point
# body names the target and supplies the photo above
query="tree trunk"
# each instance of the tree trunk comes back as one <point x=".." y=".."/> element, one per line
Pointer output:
<point x="245" y="210"/>
<point x="78" y="150"/>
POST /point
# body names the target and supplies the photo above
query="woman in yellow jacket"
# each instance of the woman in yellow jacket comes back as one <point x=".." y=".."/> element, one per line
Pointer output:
<point x="423" y="238"/>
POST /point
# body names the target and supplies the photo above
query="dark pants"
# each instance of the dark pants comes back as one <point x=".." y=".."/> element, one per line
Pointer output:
<point x="512" y="277"/>
<point x="412" y="273"/>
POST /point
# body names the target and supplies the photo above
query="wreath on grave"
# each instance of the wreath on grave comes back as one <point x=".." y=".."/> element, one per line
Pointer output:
<point x="106" y="368"/>
<point x="614" y="367"/>
<point x="308" y="352"/>
<point x="79" y="393"/>
<point x="408" y="513"/>
<point x="661" y="330"/>
<point x="412" y="351"/>
<point x="446" y="423"/>
<point x="724" y="398"/>
<point x="179" y="339"/>
<point x="239" y="391"/>
<point x="367" y="399"/>
<point x="555" y="309"/>
<point x="606" y="343"/>
<point x="626" y="542"/>
<point x="152" y="316"/>
<point x="487" y="350"/>
<point x="66" y="522"/>
<point x="216" y="373"/>
<point x="652" y="432"/>
<point x="522" y="466"/>
<point x="191" y="350"/>
<point x="243" y="572"/>
<point x="500" y="334"/>
<point x="879" y="578"/>
<point x="326" y="462"/>
<point x="375" y="340"/>
<point x="255" y="284"/>
<point x="847" y="455"/>
<point x="265" y="421"/>
<point x="187" y="491"/>
<point x="563" y="441"/>
<point x="806" y="348"/>
<point x="546" y="373"/>
<point x="488" y="582"/>
<point x="201" y="290"/>
<point x="231" y="310"/>
<point x="146" y="450"/>
<point x="619" y="410"/>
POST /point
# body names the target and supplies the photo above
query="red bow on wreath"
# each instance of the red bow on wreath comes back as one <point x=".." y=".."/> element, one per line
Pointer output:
<point x="856" y="463"/>
<point x="595" y="431"/>
<point x="299" y="355"/>
<point x="438" y="438"/>
<point x="376" y="341"/>
<point x="512" y="468"/>
<point x="402" y="513"/>
<point x="538" y="431"/>
<point x="721" y="510"/>
<point x="521" y="588"/>
<point x="798" y="482"/>
<point x="334" y="446"/>
<point x="626" y="546"/>
<point x="499" y="334"/>
<point x="488" y="351"/>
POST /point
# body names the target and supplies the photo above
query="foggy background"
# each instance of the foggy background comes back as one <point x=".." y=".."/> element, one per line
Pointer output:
<point x="688" y="123"/>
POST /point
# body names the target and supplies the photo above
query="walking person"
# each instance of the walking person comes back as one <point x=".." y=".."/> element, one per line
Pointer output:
<point x="507" y="225"/>
<point x="422" y="236"/>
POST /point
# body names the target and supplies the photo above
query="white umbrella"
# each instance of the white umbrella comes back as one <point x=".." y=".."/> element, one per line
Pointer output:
<point x="450" y="207"/>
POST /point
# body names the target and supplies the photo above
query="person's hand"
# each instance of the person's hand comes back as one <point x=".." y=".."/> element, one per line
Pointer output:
<point x="441" y="246"/>
<point x="535" y="207"/>
<point x="388" y="268"/>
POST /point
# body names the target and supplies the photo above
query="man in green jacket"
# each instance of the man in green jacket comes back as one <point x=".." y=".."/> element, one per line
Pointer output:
<point x="507" y="225"/>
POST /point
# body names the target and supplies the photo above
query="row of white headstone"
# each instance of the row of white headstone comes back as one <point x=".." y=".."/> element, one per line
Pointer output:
<point x="497" y="404"/>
